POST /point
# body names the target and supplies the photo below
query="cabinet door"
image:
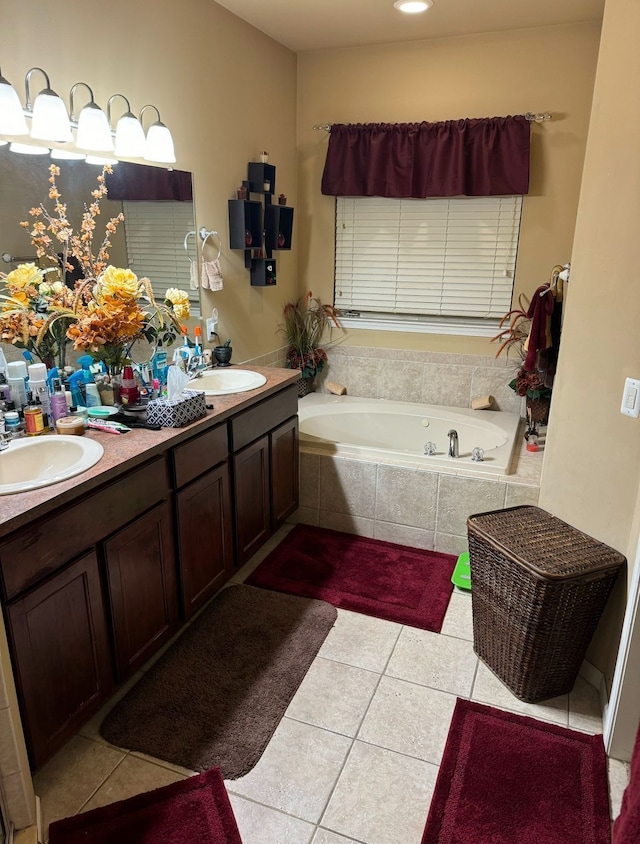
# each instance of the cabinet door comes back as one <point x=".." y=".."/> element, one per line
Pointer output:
<point x="251" y="498"/>
<point x="285" y="471"/>
<point x="61" y="653"/>
<point x="142" y="579"/>
<point x="204" y="537"/>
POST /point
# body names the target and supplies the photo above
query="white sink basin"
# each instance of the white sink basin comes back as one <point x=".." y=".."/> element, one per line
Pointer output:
<point x="220" y="382"/>
<point x="41" y="461"/>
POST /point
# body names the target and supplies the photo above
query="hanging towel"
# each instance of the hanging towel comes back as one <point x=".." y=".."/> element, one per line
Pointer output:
<point x="212" y="275"/>
<point x="194" y="281"/>
<point x="539" y="338"/>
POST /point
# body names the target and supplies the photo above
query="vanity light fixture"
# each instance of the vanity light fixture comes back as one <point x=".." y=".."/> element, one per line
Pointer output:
<point x="12" y="120"/>
<point x="66" y="155"/>
<point x="28" y="149"/>
<point x="94" y="132"/>
<point x="159" y="145"/>
<point x="413" y="7"/>
<point x="50" y="121"/>
<point x="130" y="139"/>
<point x="49" y="118"/>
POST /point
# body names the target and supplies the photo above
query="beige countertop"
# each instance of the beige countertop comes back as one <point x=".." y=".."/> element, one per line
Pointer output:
<point x="122" y="453"/>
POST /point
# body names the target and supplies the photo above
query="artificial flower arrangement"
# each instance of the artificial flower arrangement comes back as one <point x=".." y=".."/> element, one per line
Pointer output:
<point x="105" y="313"/>
<point x="515" y="326"/>
<point x="305" y="322"/>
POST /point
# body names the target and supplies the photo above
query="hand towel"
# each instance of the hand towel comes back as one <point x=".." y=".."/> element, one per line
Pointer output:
<point x="212" y="275"/>
<point x="194" y="281"/>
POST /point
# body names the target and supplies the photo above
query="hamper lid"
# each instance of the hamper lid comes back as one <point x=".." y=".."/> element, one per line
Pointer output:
<point x="543" y="543"/>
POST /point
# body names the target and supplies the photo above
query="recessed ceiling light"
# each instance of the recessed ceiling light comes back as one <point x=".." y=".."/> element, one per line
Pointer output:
<point x="412" y="7"/>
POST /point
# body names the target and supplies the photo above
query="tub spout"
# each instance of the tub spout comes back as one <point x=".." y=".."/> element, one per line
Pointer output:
<point x="453" y="443"/>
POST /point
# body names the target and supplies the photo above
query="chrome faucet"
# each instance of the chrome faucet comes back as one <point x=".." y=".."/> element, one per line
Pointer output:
<point x="453" y="443"/>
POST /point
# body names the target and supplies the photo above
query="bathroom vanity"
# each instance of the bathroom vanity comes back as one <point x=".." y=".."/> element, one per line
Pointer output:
<point x="100" y="571"/>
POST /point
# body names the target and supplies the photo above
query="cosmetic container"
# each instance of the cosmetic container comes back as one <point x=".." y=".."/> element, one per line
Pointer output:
<point x="70" y="425"/>
<point x="33" y="419"/>
<point x="129" y="393"/>
<point x="58" y="401"/>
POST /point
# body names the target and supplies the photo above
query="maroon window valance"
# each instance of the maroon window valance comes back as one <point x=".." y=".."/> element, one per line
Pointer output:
<point x="142" y="182"/>
<point x="473" y="157"/>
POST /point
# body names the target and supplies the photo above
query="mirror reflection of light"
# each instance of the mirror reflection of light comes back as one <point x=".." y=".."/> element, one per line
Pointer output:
<point x="28" y="149"/>
<point x="66" y="155"/>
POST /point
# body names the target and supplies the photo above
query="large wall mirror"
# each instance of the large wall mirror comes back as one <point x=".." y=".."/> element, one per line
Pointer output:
<point x="157" y="238"/>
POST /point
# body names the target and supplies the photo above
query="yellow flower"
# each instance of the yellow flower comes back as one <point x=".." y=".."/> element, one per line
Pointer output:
<point x="180" y="301"/>
<point x="23" y="276"/>
<point x="116" y="281"/>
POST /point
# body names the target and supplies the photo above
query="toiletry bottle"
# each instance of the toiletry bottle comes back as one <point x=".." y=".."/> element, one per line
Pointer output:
<point x="129" y="393"/>
<point x="58" y="401"/>
<point x="12" y="423"/>
<point x="16" y="378"/>
<point x="5" y="389"/>
<point x="92" y="394"/>
<point x="75" y="382"/>
<point x="33" y="420"/>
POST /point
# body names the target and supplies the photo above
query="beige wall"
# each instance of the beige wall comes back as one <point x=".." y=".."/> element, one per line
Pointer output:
<point x="591" y="470"/>
<point x="549" y="69"/>
<point x="225" y="90"/>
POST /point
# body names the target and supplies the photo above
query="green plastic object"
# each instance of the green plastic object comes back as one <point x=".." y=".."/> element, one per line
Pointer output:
<point x="461" y="576"/>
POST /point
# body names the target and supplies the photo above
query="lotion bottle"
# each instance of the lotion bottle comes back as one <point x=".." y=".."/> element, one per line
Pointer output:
<point x="58" y="401"/>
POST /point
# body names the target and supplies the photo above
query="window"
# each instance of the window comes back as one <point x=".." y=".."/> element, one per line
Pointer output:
<point x="155" y="234"/>
<point x="439" y="265"/>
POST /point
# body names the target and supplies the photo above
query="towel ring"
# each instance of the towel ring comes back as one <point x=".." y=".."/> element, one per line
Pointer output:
<point x="186" y="244"/>
<point x="205" y="235"/>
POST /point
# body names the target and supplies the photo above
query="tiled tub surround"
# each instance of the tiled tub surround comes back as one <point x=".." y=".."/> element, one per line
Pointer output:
<point x="427" y="377"/>
<point x="399" y="502"/>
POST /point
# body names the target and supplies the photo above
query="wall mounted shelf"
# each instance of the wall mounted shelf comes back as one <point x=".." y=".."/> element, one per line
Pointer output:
<point x="258" y="226"/>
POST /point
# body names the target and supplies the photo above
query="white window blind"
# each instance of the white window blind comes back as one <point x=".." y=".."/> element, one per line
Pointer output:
<point x="155" y="233"/>
<point x="426" y="257"/>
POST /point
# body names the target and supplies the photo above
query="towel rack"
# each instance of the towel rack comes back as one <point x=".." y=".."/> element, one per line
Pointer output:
<point x="17" y="259"/>
<point x="205" y="235"/>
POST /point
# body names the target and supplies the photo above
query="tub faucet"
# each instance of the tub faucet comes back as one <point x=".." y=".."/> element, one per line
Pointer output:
<point x="453" y="443"/>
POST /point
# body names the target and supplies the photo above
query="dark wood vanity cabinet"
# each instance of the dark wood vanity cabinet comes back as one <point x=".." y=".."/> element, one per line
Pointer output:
<point x="93" y="589"/>
<point x="61" y="654"/>
<point x="141" y="576"/>
<point x="204" y="517"/>
<point x="265" y="470"/>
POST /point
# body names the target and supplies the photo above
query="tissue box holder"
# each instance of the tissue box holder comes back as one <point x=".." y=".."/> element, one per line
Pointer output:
<point x="174" y="413"/>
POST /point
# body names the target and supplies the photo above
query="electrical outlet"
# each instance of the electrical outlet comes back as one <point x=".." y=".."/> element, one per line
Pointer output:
<point x="631" y="398"/>
<point x="212" y="327"/>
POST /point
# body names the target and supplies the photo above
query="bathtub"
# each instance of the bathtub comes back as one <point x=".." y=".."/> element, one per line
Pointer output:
<point x="398" y="431"/>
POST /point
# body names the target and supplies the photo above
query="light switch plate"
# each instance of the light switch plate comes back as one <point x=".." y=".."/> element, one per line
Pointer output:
<point x="631" y="398"/>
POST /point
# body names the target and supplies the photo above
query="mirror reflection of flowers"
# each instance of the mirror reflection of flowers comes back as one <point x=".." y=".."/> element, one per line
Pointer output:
<point x="105" y="312"/>
<point x="31" y="295"/>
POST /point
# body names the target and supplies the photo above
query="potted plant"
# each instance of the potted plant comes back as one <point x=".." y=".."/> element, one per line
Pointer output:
<point x="515" y="326"/>
<point x="305" y="322"/>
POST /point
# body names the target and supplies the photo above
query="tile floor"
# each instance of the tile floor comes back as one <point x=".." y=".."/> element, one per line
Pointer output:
<point x="356" y="757"/>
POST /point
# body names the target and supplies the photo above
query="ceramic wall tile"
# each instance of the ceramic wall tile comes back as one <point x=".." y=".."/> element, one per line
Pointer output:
<point x="346" y="523"/>
<point x="447" y="543"/>
<point x="400" y="381"/>
<point x="406" y="496"/>
<point x="460" y="497"/>
<point x="519" y="494"/>
<point x="309" y="480"/>
<point x="404" y="535"/>
<point x="495" y="382"/>
<point x="446" y="384"/>
<point x="348" y="487"/>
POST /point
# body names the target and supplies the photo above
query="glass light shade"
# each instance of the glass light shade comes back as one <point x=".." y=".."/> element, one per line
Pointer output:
<point x="66" y="155"/>
<point x="50" y="121"/>
<point x="96" y="159"/>
<point x="3" y="143"/>
<point x="28" y="149"/>
<point x="130" y="140"/>
<point x="159" y="145"/>
<point x="93" y="130"/>
<point x="413" y="7"/>
<point x="12" y="120"/>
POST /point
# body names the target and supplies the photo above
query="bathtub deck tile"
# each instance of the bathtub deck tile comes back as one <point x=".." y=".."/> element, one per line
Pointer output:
<point x="348" y="487"/>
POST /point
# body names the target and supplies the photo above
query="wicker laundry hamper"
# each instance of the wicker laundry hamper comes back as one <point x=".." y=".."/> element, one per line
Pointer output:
<point x="539" y="588"/>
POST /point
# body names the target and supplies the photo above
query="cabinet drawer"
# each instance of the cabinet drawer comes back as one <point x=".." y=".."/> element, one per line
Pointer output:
<point x="257" y="420"/>
<point x="36" y="551"/>
<point x="200" y="454"/>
